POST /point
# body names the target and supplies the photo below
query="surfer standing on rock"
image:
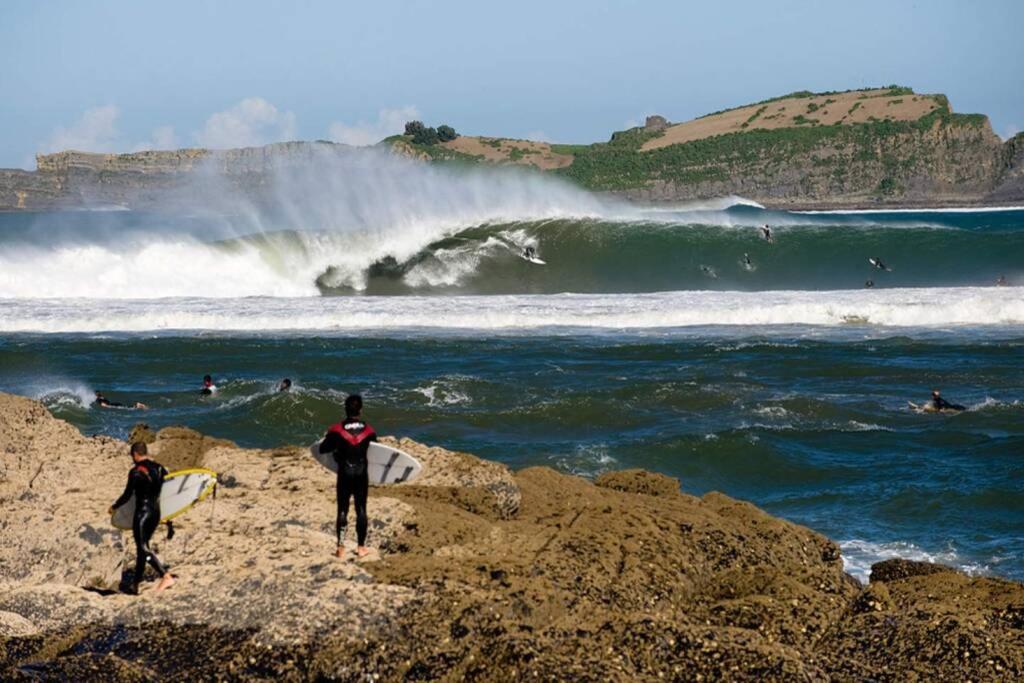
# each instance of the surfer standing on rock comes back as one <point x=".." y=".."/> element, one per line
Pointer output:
<point x="145" y="481"/>
<point x="349" y="441"/>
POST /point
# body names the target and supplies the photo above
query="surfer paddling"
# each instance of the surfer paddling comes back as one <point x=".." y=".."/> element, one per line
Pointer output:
<point x="284" y="386"/>
<point x="209" y="388"/>
<point x="349" y="441"/>
<point x="145" y="481"/>
<point x="102" y="402"/>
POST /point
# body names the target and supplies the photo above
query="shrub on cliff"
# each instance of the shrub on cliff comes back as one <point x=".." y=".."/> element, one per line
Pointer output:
<point x="426" y="136"/>
<point x="446" y="133"/>
<point x="422" y="135"/>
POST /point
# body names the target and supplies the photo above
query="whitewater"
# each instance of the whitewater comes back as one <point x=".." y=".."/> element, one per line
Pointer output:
<point x="1000" y="307"/>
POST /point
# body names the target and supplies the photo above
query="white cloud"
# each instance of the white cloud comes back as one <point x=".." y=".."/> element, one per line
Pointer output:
<point x="250" y="123"/>
<point x="537" y="136"/>
<point x="94" y="131"/>
<point x="389" y="122"/>
<point x="162" y="138"/>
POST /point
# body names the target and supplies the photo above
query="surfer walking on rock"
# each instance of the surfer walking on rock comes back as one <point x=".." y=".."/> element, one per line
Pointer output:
<point x="145" y="481"/>
<point x="349" y="441"/>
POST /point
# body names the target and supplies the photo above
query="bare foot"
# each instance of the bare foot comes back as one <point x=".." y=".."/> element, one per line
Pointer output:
<point x="362" y="551"/>
<point x="340" y="552"/>
<point x="166" y="581"/>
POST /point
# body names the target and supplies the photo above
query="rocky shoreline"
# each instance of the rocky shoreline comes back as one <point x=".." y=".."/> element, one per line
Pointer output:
<point x="481" y="573"/>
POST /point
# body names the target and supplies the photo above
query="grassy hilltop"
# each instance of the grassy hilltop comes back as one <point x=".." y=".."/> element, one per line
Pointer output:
<point x="858" y="146"/>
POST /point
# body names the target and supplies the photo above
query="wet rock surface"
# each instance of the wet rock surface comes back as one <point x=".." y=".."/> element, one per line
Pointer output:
<point x="479" y="574"/>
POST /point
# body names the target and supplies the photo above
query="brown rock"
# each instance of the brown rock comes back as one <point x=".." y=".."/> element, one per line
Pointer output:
<point x="896" y="569"/>
<point x="639" y="481"/>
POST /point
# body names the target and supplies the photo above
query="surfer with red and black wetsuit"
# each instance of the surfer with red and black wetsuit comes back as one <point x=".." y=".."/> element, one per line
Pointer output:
<point x="348" y="442"/>
<point x="145" y="481"/>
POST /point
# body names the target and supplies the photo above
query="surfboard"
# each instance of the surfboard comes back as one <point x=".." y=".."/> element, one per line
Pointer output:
<point x="387" y="465"/>
<point x="533" y="259"/>
<point x="182" y="489"/>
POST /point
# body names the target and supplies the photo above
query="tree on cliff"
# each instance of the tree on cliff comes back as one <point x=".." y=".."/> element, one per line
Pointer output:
<point x="422" y="135"/>
<point x="446" y="133"/>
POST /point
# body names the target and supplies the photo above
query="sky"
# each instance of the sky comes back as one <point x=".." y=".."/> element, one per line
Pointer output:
<point x="119" y="75"/>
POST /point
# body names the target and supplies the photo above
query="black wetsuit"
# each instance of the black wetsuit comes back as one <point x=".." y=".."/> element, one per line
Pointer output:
<point x="102" y="402"/>
<point x="939" y="403"/>
<point x="145" y="480"/>
<point x="349" y="442"/>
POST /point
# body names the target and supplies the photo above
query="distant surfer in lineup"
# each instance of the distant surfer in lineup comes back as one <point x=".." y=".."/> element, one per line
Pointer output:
<point x="877" y="263"/>
<point x="102" y="402"/>
<point x="1001" y="281"/>
<point x="747" y="263"/>
<point x="766" y="232"/>
<point x="348" y="442"/>
<point x="285" y="385"/>
<point x="209" y="388"/>
<point x="868" y="284"/>
<point x="145" y="481"/>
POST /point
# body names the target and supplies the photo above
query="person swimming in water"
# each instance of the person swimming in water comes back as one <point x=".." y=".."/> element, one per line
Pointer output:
<point x="285" y="385"/>
<point x="766" y="232"/>
<point x="102" y="402"/>
<point x="938" y="403"/>
<point x="145" y="481"/>
<point x="709" y="271"/>
<point x="209" y="388"/>
<point x="1001" y="281"/>
<point x="349" y="441"/>
<point x="868" y="284"/>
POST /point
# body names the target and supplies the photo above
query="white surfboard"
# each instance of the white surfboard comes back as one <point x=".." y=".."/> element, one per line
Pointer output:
<point x="182" y="489"/>
<point x="533" y="259"/>
<point x="387" y="465"/>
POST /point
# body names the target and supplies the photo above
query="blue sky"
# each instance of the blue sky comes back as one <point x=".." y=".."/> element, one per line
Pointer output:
<point x="119" y="75"/>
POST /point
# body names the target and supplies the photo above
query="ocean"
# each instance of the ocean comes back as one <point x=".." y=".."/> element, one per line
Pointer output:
<point x="674" y="339"/>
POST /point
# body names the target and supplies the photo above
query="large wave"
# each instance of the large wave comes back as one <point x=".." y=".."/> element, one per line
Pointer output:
<point x="640" y="254"/>
<point x="371" y="223"/>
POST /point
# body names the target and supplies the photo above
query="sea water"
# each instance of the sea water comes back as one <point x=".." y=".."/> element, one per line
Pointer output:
<point x="784" y="381"/>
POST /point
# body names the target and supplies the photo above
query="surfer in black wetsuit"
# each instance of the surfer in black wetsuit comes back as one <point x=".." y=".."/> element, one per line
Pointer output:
<point x="877" y="263"/>
<point x="285" y="385"/>
<point x="939" y="403"/>
<point x="102" y="402"/>
<point x="145" y="481"/>
<point x="349" y="442"/>
<point x="766" y="232"/>
<point x="529" y="253"/>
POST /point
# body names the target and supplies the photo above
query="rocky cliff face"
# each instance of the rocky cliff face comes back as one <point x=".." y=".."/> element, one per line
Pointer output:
<point x="143" y="179"/>
<point x="479" y="574"/>
<point x="943" y="164"/>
